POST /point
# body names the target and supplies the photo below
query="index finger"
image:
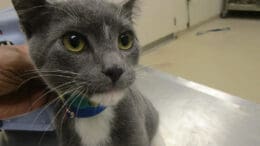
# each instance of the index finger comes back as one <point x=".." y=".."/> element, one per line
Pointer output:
<point x="22" y="48"/>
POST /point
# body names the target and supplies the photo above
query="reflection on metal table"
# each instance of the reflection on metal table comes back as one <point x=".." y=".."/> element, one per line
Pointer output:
<point x="195" y="115"/>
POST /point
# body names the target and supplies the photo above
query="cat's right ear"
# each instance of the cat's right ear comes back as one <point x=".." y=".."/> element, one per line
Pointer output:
<point x="33" y="14"/>
<point x="129" y="8"/>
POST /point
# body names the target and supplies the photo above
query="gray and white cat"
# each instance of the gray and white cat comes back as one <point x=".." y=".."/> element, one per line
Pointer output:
<point x="87" y="49"/>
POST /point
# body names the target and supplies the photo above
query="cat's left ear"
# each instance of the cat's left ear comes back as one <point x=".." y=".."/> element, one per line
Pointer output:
<point x="33" y="15"/>
<point x="129" y="8"/>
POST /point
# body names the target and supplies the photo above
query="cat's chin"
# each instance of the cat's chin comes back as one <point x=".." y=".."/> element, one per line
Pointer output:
<point x="109" y="98"/>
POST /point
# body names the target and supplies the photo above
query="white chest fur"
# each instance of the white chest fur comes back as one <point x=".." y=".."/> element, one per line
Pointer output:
<point x="95" y="131"/>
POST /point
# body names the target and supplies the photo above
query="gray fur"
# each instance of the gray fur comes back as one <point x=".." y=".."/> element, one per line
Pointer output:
<point x="101" y="22"/>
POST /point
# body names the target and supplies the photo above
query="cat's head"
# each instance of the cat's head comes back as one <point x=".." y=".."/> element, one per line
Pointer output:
<point x="82" y="46"/>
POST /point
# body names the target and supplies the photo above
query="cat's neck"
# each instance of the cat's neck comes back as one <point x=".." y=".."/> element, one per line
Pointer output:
<point x="96" y="130"/>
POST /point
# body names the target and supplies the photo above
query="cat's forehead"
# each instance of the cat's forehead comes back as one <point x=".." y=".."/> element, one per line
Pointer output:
<point x="90" y="16"/>
<point x="90" y="10"/>
<point x="111" y="1"/>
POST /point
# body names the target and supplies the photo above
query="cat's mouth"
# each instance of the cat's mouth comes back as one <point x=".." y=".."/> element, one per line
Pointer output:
<point x="108" y="98"/>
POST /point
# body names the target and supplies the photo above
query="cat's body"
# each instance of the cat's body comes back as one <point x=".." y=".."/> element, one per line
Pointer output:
<point x="133" y="122"/>
<point x="87" y="50"/>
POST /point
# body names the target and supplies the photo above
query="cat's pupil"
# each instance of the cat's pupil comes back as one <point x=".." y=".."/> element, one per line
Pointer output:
<point x="74" y="41"/>
<point x="124" y="39"/>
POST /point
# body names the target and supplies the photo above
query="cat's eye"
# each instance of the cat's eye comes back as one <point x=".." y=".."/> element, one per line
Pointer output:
<point x="74" y="42"/>
<point x="125" y="41"/>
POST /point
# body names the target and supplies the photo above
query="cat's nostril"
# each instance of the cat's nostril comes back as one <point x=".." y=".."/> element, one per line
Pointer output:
<point x="114" y="73"/>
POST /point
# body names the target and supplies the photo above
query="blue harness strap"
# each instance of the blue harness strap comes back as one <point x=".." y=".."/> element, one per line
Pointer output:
<point x="81" y="107"/>
<point x="75" y="112"/>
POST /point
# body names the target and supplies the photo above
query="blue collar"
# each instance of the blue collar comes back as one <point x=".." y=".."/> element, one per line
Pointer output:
<point x="80" y="107"/>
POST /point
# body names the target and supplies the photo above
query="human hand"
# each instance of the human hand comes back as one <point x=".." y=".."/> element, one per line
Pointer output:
<point x="18" y="94"/>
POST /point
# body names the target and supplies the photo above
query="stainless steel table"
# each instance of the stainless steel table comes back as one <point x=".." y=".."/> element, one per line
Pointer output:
<point x="191" y="114"/>
<point x="195" y="115"/>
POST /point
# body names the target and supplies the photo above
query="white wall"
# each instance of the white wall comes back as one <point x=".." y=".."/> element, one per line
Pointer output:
<point x="201" y="10"/>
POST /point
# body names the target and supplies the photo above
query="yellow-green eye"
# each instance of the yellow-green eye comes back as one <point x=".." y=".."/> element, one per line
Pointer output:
<point x="74" y="42"/>
<point x="125" y="41"/>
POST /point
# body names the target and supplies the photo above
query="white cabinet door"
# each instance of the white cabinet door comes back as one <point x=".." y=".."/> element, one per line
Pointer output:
<point x="201" y="10"/>
<point x="156" y="20"/>
<point x="180" y="13"/>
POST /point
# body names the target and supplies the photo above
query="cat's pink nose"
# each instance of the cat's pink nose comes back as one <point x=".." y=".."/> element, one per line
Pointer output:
<point x="114" y="73"/>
